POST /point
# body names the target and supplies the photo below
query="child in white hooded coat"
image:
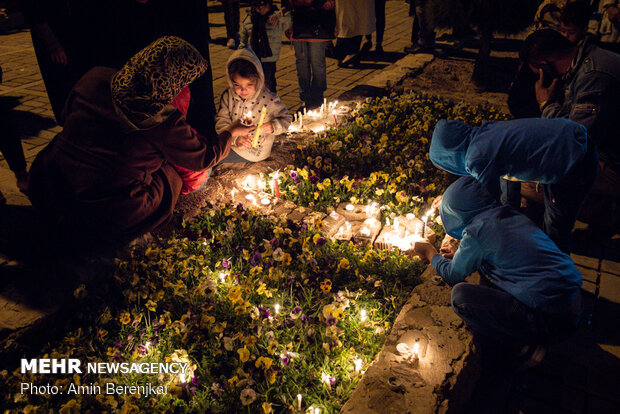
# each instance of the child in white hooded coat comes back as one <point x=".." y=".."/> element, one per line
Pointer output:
<point x="247" y="95"/>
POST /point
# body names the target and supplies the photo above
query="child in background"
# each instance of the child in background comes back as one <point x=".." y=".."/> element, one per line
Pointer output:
<point x="261" y="31"/>
<point x="243" y="101"/>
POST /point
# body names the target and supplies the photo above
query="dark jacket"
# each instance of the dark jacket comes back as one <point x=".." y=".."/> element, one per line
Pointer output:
<point x="100" y="178"/>
<point x="312" y="19"/>
<point x="589" y="95"/>
<point x="505" y="246"/>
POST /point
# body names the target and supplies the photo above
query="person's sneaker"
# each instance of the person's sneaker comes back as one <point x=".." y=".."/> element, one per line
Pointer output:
<point x="232" y="44"/>
<point x="529" y="357"/>
<point x="379" y="49"/>
<point x="414" y="49"/>
<point x="22" y="181"/>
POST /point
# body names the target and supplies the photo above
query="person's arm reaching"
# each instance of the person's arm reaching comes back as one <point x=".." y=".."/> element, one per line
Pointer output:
<point x="467" y="260"/>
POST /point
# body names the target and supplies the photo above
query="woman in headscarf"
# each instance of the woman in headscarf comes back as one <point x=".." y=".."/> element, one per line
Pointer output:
<point x="109" y="175"/>
<point x="533" y="298"/>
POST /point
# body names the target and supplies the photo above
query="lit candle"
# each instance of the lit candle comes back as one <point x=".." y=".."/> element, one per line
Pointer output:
<point x="301" y="121"/>
<point x="358" y="365"/>
<point x="387" y="221"/>
<point x="276" y="308"/>
<point x="222" y="277"/>
<point x="347" y="225"/>
<point x="317" y="410"/>
<point x="396" y="225"/>
<point x="276" y="184"/>
<point x="299" y="402"/>
<point x="403" y="348"/>
<point x="265" y="201"/>
<point x="416" y="350"/>
<point x="305" y="111"/>
<point x="263" y="112"/>
<point x="147" y="345"/>
<point x="363" y="315"/>
<point x="365" y="231"/>
<point x="324" y="102"/>
<point x="350" y="207"/>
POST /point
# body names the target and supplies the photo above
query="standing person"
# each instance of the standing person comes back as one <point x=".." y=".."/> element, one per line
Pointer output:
<point x="533" y="299"/>
<point x="262" y="30"/>
<point x="244" y="100"/>
<point x="380" y="24"/>
<point x="314" y="23"/>
<point x="354" y="20"/>
<point x="585" y="89"/>
<point x="231" y="18"/>
<point x="59" y="46"/>
<point x="609" y="31"/>
<point x="11" y="148"/>
<point x="422" y="34"/>
<point x="553" y="152"/>
<point x="107" y="177"/>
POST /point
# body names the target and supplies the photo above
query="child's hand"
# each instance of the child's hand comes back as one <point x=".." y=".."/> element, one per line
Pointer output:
<point x="437" y="202"/>
<point x="449" y="246"/>
<point x="274" y="19"/>
<point x="243" y="141"/>
<point x="424" y="250"/>
<point x="266" y="128"/>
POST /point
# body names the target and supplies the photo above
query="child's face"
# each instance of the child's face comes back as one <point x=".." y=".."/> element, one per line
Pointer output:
<point x="244" y="87"/>
<point x="262" y="9"/>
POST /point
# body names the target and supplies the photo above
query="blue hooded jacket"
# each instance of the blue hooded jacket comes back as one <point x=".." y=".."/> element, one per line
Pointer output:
<point x="541" y="150"/>
<point x="506" y="247"/>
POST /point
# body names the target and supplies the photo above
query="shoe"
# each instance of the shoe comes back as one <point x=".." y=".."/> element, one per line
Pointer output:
<point x="379" y="49"/>
<point x="366" y="47"/>
<point x="529" y="357"/>
<point x="22" y="181"/>
<point x="414" y="49"/>
<point x="350" y="60"/>
<point x="231" y="44"/>
<point x="2" y="199"/>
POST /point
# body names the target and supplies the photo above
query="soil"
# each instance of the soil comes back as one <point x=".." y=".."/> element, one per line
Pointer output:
<point x="450" y="77"/>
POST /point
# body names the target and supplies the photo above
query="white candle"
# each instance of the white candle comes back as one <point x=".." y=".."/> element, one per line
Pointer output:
<point x="416" y="350"/>
<point x="305" y="111"/>
<point x="299" y="402"/>
<point x="363" y="315"/>
<point x="277" y="308"/>
<point x="265" y="201"/>
<point x="222" y="277"/>
<point x="358" y="365"/>
<point x="365" y="231"/>
<point x="350" y="207"/>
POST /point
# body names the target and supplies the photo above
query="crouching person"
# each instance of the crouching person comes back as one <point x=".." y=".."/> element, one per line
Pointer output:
<point x="532" y="298"/>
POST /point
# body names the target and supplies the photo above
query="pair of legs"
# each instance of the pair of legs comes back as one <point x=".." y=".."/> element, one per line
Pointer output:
<point x="380" y="24"/>
<point x="231" y="18"/>
<point x="311" y="71"/>
<point x="422" y="34"/>
<point x="11" y="149"/>
<point x="269" y="69"/>
<point x="502" y="319"/>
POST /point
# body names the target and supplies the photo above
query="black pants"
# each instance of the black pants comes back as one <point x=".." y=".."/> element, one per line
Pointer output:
<point x="10" y="143"/>
<point x="379" y="20"/>
<point x="269" y="69"/>
<point x="347" y="46"/>
<point x="231" y="17"/>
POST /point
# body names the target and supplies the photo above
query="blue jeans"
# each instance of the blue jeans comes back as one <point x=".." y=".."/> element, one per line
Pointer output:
<point x="233" y="158"/>
<point x="499" y="317"/>
<point x="311" y="71"/>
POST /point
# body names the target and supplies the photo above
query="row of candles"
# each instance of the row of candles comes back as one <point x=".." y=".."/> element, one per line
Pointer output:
<point x="327" y="110"/>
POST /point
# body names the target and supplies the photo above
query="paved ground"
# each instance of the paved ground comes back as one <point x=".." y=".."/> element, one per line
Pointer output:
<point x="580" y="376"/>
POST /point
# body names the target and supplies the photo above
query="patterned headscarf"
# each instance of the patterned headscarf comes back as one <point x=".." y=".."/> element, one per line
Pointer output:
<point x="151" y="79"/>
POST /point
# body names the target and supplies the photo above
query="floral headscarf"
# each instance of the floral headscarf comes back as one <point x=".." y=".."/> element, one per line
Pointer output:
<point x="151" y="79"/>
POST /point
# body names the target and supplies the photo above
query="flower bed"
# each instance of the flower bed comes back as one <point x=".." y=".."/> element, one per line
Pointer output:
<point x="262" y="310"/>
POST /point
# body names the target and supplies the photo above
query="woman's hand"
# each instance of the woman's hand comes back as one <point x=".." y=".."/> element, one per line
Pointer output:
<point x="237" y="129"/>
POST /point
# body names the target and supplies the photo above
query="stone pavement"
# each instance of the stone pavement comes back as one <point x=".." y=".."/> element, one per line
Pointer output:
<point x="579" y="376"/>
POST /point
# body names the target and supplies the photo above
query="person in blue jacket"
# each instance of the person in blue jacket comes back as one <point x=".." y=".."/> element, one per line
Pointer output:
<point x="552" y="152"/>
<point x="534" y="294"/>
